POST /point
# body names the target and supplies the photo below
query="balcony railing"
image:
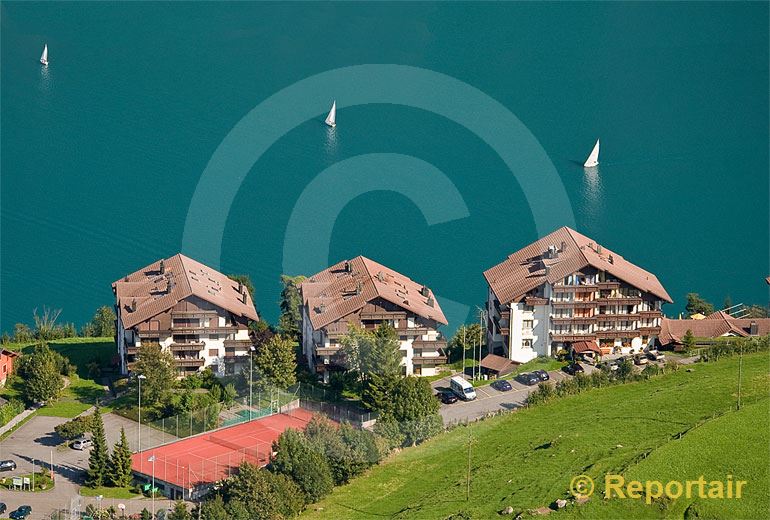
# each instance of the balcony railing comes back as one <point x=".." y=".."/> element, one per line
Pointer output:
<point x="194" y="314"/>
<point x="574" y="304"/>
<point x="414" y="331"/>
<point x="195" y="362"/>
<point x="227" y="329"/>
<point x="608" y="285"/>
<point x="621" y="300"/>
<point x="426" y="343"/>
<point x="651" y="314"/>
<point x="132" y="351"/>
<point x="429" y="360"/>
<point x="192" y="347"/>
<point x="650" y="330"/>
<point x="572" y="337"/>
<point x="383" y="315"/>
<point x="243" y="343"/>
<point x="617" y="317"/>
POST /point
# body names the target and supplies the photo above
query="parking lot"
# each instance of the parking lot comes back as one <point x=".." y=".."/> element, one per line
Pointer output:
<point x="489" y="400"/>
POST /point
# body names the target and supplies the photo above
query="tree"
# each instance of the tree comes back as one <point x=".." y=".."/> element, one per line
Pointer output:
<point x="45" y="324"/>
<point x="416" y="409"/>
<point x="145" y="514"/>
<point x="466" y="337"/>
<point x="296" y="459"/>
<point x="214" y="509"/>
<point x="22" y="333"/>
<point x="260" y="332"/>
<point x="120" y="462"/>
<point x="290" y="320"/>
<point x="41" y="373"/>
<point x="229" y="394"/>
<point x="369" y="352"/>
<point x="74" y="428"/>
<point x="688" y="341"/>
<point x="179" y="512"/>
<point x="275" y="362"/>
<point x="696" y="304"/>
<point x="157" y="365"/>
<point x="98" y="460"/>
<point x="103" y="322"/>
<point x="257" y="494"/>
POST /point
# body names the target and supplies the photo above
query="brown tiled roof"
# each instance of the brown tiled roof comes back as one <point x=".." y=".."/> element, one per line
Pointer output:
<point x="149" y="288"/>
<point x="336" y="292"/>
<point x="497" y="363"/>
<point x="713" y="326"/>
<point x="8" y="353"/>
<point x="768" y="280"/>
<point x="525" y="269"/>
<point x="585" y="346"/>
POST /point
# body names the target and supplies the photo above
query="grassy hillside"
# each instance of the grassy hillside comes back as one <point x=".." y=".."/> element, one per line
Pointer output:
<point x="527" y="459"/>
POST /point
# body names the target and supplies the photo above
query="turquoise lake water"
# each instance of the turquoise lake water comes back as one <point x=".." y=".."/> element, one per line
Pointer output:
<point x="103" y="150"/>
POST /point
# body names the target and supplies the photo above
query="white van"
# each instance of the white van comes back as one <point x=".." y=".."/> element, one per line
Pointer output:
<point x="462" y="388"/>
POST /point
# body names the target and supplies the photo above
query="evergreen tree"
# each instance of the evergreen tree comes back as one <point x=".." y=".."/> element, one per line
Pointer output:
<point x="179" y="512"/>
<point x="214" y="509"/>
<point x="290" y="321"/>
<point x="296" y="459"/>
<point x="120" y="463"/>
<point x="688" y="340"/>
<point x="145" y="514"/>
<point x="98" y="460"/>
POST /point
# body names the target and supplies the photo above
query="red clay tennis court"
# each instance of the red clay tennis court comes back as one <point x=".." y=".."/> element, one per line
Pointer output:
<point x="213" y="456"/>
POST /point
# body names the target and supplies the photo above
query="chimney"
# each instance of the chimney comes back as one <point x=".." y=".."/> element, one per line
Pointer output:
<point x="425" y="291"/>
<point x="243" y="298"/>
<point x="170" y="286"/>
<point x="563" y="246"/>
<point x="240" y="287"/>
<point x="753" y="329"/>
<point x="547" y="270"/>
<point x="348" y="267"/>
<point x="321" y="308"/>
<point x="598" y="249"/>
<point x="162" y="266"/>
<point x="610" y="259"/>
<point x="430" y="302"/>
<point x="359" y="288"/>
<point x="133" y="305"/>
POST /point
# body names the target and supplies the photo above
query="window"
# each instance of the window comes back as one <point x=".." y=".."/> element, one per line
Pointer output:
<point x="528" y="324"/>
<point x="213" y="352"/>
<point x="529" y="308"/>
<point x="526" y="343"/>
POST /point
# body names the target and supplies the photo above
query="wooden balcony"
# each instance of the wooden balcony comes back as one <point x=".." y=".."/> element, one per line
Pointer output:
<point x="619" y="301"/>
<point x="535" y="300"/>
<point x="586" y="287"/>
<point x="228" y="329"/>
<point x="424" y="343"/>
<point x="194" y="314"/>
<point x="573" y="337"/>
<point x="184" y="347"/>
<point x="608" y="285"/>
<point x="236" y="343"/>
<point x="505" y="315"/>
<point x="651" y="314"/>
<point x="578" y="320"/>
<point x="383" y="315"/>
<point x="414" y="331"/>
<point x="131" y="351"/>
<point x="327" y="351"/>
<point x="617" y="317"/>
<point x="574" y="304"/>
<point x="617" y="333"/>
<point x="193" y="362"/>
<point x="429" y="360"/>
<point x="649" y="330"/>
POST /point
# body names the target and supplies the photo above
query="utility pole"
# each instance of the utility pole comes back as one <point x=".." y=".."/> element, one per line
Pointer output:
<point x="464" y="329"/>
<point x="482" y="317"/>
<point x="740" y="374"/>
<point x="468" y="490"/>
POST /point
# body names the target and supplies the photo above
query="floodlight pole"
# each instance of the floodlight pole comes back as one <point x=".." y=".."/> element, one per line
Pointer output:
<point x="139" y="430"/>
<point x="251" y="379"/>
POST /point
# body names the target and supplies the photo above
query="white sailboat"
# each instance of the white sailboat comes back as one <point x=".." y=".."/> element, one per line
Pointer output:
<point x="331" y="119"/>
<point x="593" y="159"/>
<point x="44" y="56"/>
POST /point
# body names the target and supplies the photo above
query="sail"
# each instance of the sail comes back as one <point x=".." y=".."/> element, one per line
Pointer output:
<point x="331" y="119"/>
<point x="593" y="159"/>
<point x="44" y="56"/>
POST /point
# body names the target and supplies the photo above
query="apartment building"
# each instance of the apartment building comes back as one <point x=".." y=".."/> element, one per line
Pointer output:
<point x="564" y="289"/>
<point x="365" y="293"/>
<point x="197" y="313"/>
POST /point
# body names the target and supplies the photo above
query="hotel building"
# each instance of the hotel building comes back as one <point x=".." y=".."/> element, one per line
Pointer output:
<point x="566" y="291"/>
<point x="364" y="293"/>
<point x="197" y="313"/>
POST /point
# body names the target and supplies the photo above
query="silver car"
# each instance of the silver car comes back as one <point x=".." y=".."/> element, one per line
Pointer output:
<point x="82" y="444"/>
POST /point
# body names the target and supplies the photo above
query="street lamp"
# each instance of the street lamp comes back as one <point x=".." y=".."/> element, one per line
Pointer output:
<point x="152" y="489"/>
<point x="139" y="432"/>
<point x="251" y="379"/>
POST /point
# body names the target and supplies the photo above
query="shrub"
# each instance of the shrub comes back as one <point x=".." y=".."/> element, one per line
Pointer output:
<point x="296" y="459"/>
<point x="10" y="410"/>
<point x="75" y="428"/>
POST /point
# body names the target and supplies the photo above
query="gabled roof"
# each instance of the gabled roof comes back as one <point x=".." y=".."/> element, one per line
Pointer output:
<point x="712" y="326"/>
<point x="581" y="347"/>
<point x="525" y="269"/>
<point x="8" y="353"/>
<point x="346" y="287"/>
<point x="499" y="364"/>
<point x="155" y="292"/>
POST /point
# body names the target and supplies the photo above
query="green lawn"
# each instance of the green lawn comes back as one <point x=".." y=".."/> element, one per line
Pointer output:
<point x="110" y="492"/>
<point x="527" y="459"/>
<point x="78" y="397"/>
<point x="80" y="351"/>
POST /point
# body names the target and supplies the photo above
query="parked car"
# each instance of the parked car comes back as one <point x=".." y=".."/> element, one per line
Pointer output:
<point x="542" y="374"/>
<point x="613" y="365"/>
<point x="501" y="385"/>
<point x="528" y="378"/>
<point x="82" y="444"/>
<point x="640" y="360"/>
<point x="21" y="513"/>
<point x="3" y="508"/>
<point x="446" y="397"/>
<point x="7" y="465"/>
<point x="573" y="368"/>
<point x="655" y="355"/>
